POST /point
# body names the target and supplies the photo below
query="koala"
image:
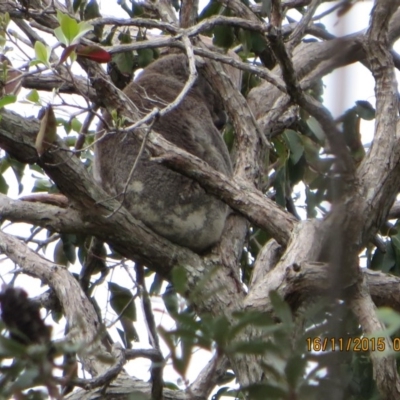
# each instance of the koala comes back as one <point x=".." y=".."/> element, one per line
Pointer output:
<point x="171" y="204"/>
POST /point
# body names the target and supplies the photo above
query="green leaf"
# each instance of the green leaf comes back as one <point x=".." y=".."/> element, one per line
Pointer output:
<point x="171" y="300"/>
<point x="33" y="96"/>
<point x="258" y="42"/>
<point x="69" y="246"/>
<point x="7" y="99"/>
<point x="137" y="9"/>
<point x="69" y="32"/>
<point x="365" y="110"/>
<point x="10" y="348"/>
<point x="390" y="318"/>
<point x="76" y="125"/>
<point x="83" y="28"/>
<point x="351" y="129"/>
<point x="223" y="36"/>
<point x="295" y="370"/>
<point x="224" y="392"/>
<point x="60" y="36"/>
<point x="33" y="63"/>
<point x="69" y="27"/>
<point x="77" y="4"/>
<point x="27" y="378"/>
<point x="36" y="168"/>
<point x="256" y="347"/>
<point x="122" y="301"/>
<point x="262" y="391"/>
<point x="66" y="124"/>
<point x="296" y="171"/>
<point x="188" y="325"/>
<point x="295" y="145"/>
<point x="317" y="130"/>
<point x="225" y="378"/>
<point x="121" y="334"/>
<point x="253" y="318"/>
<point x="156" y="285"/>
<point x="281" y="308"/>
<point x="5" y="20"/>
<point x="56" y="316"/>
<point x="280" y="186"/>
<point x="4" y="164"/>
<point x="59" y="255"/>
<point x="384" y="261"/>
<point x="69" y="251"/>
<point x="125" y="37"/>
<point x="18" y="169"/>
<point x="179" y="279"/>
<point x="70" y="141"/>
<point x="131" y="334"/>
<point x="281" y="150"/>
<point x="3" y="185"/>
<point x="171" y="385"/>
<point x="396" y="241"/>
<point x="92" y="10"/>
<point x="145" y="57"/>
<point x="41" y="185"/>
<point x="245" y="39"/>
<point x="123" y="4"/>
<point x="220" y="329"/>
<point x="212" y="8"/>
<point x="136" y="395"/>
<point x="311" y="152"/>
<point x="42" y="53"/>
<point x="229" y="136"/>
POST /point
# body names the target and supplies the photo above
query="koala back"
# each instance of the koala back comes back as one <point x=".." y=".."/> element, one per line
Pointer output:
<point x="171" y="204"/>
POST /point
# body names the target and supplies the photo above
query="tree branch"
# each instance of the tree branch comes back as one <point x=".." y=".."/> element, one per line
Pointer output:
<point x="80" y="314"/>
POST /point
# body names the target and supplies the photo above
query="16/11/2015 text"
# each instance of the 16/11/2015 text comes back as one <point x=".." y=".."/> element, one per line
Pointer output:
<point x="357" y="344"/>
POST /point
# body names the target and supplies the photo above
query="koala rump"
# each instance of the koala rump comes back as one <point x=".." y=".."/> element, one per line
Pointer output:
<point x="171" y="204"/>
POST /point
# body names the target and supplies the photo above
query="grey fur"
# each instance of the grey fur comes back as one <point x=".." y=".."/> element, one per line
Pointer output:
<point x="171" y="204"/>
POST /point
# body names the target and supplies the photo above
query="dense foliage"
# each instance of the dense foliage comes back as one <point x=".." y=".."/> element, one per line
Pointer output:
<point x="282" y="303"/>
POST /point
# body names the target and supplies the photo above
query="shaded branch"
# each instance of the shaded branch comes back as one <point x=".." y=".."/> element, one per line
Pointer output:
<point x="385" y="369"/>
<point x="107" y="376"/>
<point x="124" y="388"/>
<point x="308" y="280"/>
<point x="386" y="136"/>
<point x="311" y="62"/>
<point x="80" y="314"/>
<point x="129" y="236"/>
<point x="208" y="377"/>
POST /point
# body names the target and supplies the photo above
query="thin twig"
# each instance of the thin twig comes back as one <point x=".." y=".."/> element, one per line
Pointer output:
<point x="84" y="129"/>
<point x="104" y="379"/>
<point x="157" y="366"/>
<point x="345" y="163"/>
<point x="298" y="33"/>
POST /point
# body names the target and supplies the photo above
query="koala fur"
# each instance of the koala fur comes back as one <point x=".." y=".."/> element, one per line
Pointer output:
<point x="171" y="204"/>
